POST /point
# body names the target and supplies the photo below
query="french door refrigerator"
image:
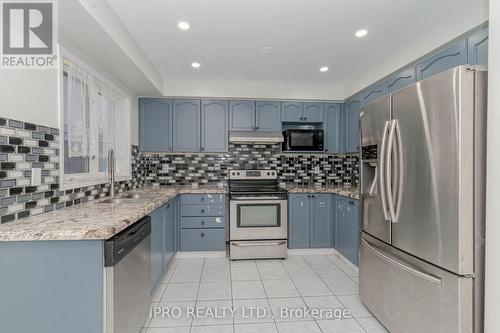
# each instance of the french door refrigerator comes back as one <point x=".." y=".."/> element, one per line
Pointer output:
<point x="422" y="199"/>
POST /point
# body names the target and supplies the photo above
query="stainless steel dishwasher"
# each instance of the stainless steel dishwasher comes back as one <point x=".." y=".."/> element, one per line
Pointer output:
<point x="127" y="273"/>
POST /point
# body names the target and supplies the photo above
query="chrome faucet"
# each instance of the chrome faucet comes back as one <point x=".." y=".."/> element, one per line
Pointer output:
<point x="111" y="172"/>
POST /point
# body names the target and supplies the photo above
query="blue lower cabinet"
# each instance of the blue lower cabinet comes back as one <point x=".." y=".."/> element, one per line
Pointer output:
<point x="347" y="228"/>
<point x="202" y="240"/>
<point x="203" y="210"/>
<point x="203" y="222"/>
<point x="311" y="221"/>
<point x="169" y="246"/>
<point x="322" y="225"/>
<point x="299" y="225"/>
<point x="202" y="226"/>
<point x="206" y="199"/>
<point x="157" y="245"/>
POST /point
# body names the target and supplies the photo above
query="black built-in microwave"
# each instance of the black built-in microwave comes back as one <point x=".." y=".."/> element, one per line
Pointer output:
<point x="303" y="140"/>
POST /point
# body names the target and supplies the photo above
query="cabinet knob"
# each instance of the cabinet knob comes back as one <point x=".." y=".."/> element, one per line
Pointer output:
<point x="202" y="222"/>
<point x="305" y="118"/>
<point x="313" y="196"/>
<point x="202" y="234"/>
<point x="308" y="195"/>
<point x="203" y="211"/>
<point x="202" y="199"/>
<point x="301" y="118"/>
<point x="256" y="127"/>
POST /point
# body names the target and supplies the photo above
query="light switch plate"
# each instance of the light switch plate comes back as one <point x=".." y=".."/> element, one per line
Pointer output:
<point x="36" y="176"/>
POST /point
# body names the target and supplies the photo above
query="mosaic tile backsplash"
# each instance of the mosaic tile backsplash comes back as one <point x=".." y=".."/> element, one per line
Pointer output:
<point x="24" y="146"/>
<point x="300" y="169"/>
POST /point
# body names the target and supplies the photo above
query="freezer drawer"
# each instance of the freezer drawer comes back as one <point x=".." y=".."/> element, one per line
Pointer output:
<point x="408" y="295"/>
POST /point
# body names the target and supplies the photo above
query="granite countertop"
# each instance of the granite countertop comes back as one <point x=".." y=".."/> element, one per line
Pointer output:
<point x="350" y="192"/>
<point x="95" y="220"/>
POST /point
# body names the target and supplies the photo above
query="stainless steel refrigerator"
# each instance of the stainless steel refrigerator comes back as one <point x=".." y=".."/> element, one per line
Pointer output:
<point x="422" y="198"/>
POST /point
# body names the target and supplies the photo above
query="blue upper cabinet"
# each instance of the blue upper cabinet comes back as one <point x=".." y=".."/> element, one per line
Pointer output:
<point x="242" y="115"/>
<point x="186" y="125"/>
<point x="291" y="112"/>
<point x="333" y="127"/>
<point x="214" y="125"/>
<point x="155" y="118"/>
<point x="313" y="112"/>
<point x="401" y="79"/>
<point x="373" y="93"/>
<point x="478" y="47"/>
<point x="268" y="116"/>
<point x="452" y="56"/>
<point x="352" y="108"/>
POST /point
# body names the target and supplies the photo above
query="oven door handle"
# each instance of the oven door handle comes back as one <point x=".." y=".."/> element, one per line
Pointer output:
<point x="258" y="243"/>
<point x="257" y="198"/>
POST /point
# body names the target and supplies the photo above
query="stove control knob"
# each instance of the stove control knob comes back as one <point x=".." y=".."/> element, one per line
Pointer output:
<point x="238" y="173"/>
<point x="273" y="173"/>
<point x="268" y="173"/>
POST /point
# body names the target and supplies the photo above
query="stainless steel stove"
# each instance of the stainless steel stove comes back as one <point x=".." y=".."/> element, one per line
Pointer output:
<point x="258" y="215"/>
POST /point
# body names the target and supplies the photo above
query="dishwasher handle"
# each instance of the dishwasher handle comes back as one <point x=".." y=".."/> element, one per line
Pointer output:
<point x="118" y="246"/>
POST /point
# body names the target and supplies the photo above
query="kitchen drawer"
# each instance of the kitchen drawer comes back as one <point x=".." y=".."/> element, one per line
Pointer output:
<point x="203" y="210"/>
<point x="203" y="240"/>
<point x="203" y="222"/>
<point x="207" y="199"/>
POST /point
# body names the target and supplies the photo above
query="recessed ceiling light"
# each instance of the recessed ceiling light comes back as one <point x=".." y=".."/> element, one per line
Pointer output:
<point x="268" y="49"/>
<point x="361" y="33"/>
<point x="324" y="69"/>
<point x="183" y="25"/>
<point x="195" y="65"/>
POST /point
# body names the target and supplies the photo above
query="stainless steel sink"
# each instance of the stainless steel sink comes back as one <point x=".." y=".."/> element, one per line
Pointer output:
<point x="130" y="196"/>
<point x="126" y="199"/>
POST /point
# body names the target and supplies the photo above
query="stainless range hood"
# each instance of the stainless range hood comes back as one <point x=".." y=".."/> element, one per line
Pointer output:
<point x="255" y="137"/>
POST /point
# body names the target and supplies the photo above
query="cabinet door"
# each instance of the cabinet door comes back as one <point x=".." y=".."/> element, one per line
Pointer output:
<point x="450" y="57"/>
<point x="313" y="112"/>
<point x="321" y="217"/>
<point x="291" y="112"/>
<point x="353" y="213"/>
<point x="352" y="125"/>
<point x="374" y="93"/>
<point x="299" y="221"/>
<point x="157" y="235"/>
<point x="478" y="47"/>
<point x="268" y="116"/>
<point x="186" y="120"/>
<point x="332" y="127"/>
<point x="169" y="233"/>
<point x="242" y="115"/>
<point x="343" y="239"/>
<point x="155" y="124"/>
<point x="401" y="79"/>
<point x="214" y="125"/>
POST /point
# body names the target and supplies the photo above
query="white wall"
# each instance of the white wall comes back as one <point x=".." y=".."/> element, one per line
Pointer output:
<point x="492" y="292"/>
<point x="29" y="95"/>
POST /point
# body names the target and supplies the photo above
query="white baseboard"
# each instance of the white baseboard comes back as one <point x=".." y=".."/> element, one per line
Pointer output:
<point x="200" y="254"/>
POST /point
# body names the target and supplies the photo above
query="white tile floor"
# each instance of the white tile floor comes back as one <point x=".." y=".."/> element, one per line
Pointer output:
<point x="299" y="282"/>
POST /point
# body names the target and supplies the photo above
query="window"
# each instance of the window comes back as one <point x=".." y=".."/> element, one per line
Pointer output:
<point x="95" y="117"/>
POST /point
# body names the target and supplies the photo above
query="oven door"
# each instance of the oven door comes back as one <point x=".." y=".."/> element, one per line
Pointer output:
<point x="255" y="218"/>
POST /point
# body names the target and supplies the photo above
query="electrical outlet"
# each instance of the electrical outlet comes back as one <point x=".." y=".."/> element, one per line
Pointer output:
<point x="36" y="176"/>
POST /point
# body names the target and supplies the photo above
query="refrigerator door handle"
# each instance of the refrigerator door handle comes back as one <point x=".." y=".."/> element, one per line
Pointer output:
<point x="404" y="266"/>
<point x="388" y="171"/>
<point x="382" y="172"/>
<point x="400" y="171"/>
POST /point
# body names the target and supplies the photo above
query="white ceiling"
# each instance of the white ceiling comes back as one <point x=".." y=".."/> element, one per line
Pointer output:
<point x="227" y="37"/>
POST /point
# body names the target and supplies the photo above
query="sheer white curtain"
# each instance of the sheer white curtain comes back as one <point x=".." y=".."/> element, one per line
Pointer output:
<point x="96" y="119"/>
<point x="77" y="112"/>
